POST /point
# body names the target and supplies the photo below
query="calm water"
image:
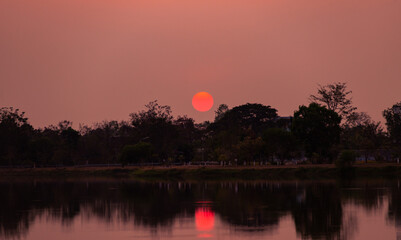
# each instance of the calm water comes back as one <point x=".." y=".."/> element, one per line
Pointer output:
<point x="125" y="209"/>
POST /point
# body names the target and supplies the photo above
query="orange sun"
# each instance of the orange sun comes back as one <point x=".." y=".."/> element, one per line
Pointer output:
<point x="202" y="101"/>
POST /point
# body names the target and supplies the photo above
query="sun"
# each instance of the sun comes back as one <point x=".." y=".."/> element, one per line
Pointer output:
<point x="202" y="101"/>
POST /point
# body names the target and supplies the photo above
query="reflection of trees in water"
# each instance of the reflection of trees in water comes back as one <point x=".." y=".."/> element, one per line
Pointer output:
<point x="150" y="205"/>
<point x="21" y="203"/>
<point x="156" y="204"/>
<point x="394" y="206"/>
<point x="366" y="194"/>
<point x="349" y="226"/>
<point x="258" y="206"/>
<point x="317" y="208"/>
<point x="12" y="222"/>
<point x="319" y="212"/>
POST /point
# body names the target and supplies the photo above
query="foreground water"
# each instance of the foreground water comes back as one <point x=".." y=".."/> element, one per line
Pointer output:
<point x="126" y="209"/>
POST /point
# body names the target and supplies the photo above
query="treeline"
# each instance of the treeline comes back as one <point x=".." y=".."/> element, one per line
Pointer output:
<point x="247" y="134"/>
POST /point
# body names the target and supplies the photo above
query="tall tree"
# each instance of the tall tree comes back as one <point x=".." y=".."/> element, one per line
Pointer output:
<point x="15" y="134"/>
<point x="221" y="110"/>
<point x="70" y="138"/>
<point x="335" y="97"/>
<point x="237" y="124"/>
<point x="155" y="125"/>
<point x="365" y="135"/>
<point x="356" y="119"/>
<point x="154" y="112"/>
<point x="187" y="134"/>
<point x="280" y="143"/>
<point x="318" y="128"/>
<point x="393" y="123"/>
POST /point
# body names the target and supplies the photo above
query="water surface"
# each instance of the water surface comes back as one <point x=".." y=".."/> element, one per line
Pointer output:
<point x="128" y="209"/>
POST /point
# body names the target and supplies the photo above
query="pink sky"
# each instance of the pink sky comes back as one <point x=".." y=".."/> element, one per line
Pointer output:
<point x="94" y="60"/>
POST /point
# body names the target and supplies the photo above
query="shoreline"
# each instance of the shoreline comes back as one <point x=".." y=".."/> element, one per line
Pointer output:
<point x="321" y="171"/>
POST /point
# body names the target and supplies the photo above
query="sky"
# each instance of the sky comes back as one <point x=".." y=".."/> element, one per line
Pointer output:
<point x="94" y="60"/>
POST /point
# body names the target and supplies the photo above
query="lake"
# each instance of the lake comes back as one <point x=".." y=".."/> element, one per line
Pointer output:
<point x="99" y="209"/>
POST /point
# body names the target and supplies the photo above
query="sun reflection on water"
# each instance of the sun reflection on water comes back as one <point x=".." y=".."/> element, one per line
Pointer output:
<point x="204" y="219"/>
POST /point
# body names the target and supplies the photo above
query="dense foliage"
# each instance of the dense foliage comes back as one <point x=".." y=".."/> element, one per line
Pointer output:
<point x="318" y="128"/>
<point x="393" y="122"/>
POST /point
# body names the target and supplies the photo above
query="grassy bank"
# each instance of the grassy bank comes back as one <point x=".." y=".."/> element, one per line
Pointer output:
<point x="215" y="173"/>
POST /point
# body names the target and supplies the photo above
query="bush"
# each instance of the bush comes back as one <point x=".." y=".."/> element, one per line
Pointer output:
<point x="346" y="159"/>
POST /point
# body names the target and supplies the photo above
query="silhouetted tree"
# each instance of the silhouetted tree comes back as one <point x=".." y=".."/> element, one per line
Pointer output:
<point x="231" y="133"/>
<point x="70" y="139"/>
<point x="140" y="152"/>
<point x="253" y="116"/>
<point x="41" y="151"/>
<point x="363" y="135"/>
<point x="155" y="124"/>
<point x="393" y="123"/>
<point x="318" y="128"/>
<point x="335" y="97"/>
<point x="357" y="119"/>
<point x="103" y="142"/>
<point x="221" y="110"/>
<point x="15" y="134"/>
<point x="186" y="140"/>
<point x="280" y="143"/>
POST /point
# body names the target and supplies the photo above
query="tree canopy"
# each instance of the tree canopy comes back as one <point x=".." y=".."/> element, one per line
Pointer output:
<point x="335" y="97"/>
<point x="251" y="116"/>
<point x="318" y="128"/>
<point x="393" y="123"/>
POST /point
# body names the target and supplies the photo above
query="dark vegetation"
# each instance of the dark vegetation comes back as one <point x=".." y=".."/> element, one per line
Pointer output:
<point x="249" y="134"/>
<point x="346" y="159"/>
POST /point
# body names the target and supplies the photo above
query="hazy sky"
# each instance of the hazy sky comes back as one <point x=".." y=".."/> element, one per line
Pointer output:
<point x="94" y="60"/>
